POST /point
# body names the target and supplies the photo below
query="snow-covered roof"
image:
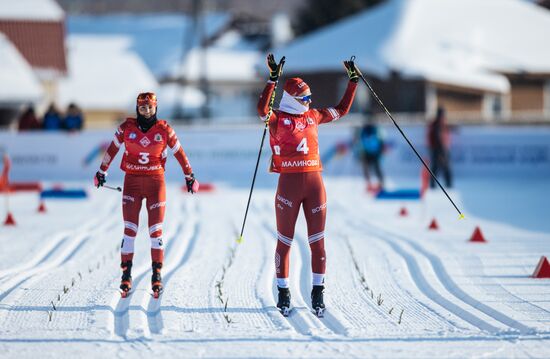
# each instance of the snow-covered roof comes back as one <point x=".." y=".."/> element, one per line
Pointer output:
<point x="171" y="96"/>
<point x="19" y="83"/>
<point x="462" y="42"/>
<point x="159" y="39"/>
<point x="222" y="64"/>
<point x="104" y="74"/>
<point x="42" y="10"/>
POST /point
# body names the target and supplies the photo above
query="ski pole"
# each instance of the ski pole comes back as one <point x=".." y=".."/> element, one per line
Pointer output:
<point x="113" y="188"/>
<point x="271" y="101"/>
<point x="461" y="216"/>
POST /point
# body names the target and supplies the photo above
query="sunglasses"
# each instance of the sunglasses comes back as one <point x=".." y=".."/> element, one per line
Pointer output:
<point x="305" y="98"/>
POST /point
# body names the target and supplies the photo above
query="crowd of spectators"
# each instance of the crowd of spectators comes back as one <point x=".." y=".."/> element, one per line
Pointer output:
<point x="52" y="120"/>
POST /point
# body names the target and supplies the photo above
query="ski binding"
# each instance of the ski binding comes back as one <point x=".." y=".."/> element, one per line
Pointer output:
<point x="319" y="312"/>
<point x="285" y="311"/>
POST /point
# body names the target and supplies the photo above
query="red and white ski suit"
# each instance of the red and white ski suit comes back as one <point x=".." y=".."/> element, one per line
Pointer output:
<point x="143" y="162"/>
<point x="295" y="149"/>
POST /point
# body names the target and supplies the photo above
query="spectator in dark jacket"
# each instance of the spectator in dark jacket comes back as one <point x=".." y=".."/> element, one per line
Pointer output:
<point x="73" y="119"/>
<point x="52" y="119"/>
<point x="28" y="120"/>
<point x="439" y="142"/>
<point x="371" y="146"/>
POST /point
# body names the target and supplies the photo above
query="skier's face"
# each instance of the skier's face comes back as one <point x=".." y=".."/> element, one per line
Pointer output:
<point x="147" y="110"/>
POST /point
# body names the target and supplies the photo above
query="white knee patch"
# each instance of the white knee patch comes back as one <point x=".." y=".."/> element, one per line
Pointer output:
<point x="317" y="279"/>
<point x="282" y="282"/>
<point x="127" y="245"/>
<point x="156" y="242"/>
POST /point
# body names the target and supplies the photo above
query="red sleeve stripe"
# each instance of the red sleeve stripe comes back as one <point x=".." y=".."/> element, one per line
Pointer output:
<point x="176" y="147"/>
<point x="335" y="115"/>
<point x="116" y="142"/>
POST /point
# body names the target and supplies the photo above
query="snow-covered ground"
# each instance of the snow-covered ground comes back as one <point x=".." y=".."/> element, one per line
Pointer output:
<point x="394" y="289"/>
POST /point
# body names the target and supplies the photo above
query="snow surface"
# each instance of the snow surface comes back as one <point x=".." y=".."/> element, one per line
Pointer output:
<point x="462" y="42"/>
<point x="458" y="299"/>
<point x="19" y="84"/>
<point x="41" y="10"/>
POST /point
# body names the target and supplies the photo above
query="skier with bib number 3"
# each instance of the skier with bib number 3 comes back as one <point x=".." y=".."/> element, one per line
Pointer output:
<point x="145" y="139"/>
<point x="295" y="156"/>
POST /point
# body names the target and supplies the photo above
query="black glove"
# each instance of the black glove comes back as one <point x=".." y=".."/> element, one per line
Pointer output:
<point x="190" y="181"/>
<point x="275" y="70"/>
<point x="353" y="72"/>
<point x="99" y="179"/>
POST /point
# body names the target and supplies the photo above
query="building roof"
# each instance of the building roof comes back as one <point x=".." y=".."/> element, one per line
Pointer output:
<point x="36" y="28"/>
<point x="221" y="64"/>
<point x="159" y="39"/>
<point x="104" y="74"/>
<point x="19" y="83"/>
<point x="460" y="42"/>
<point x="35" y="10"/>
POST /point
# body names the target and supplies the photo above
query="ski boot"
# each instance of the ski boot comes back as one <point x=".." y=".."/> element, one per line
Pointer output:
<point x="317" y="302"/>
<point x="156" y="279"/>
<point x="284" y="301"/>
<point x="126" y="280"/>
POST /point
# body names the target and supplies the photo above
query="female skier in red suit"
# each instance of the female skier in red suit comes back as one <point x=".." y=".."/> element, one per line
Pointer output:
<point x="145" y="139"/>
<point x="294" y="145"/>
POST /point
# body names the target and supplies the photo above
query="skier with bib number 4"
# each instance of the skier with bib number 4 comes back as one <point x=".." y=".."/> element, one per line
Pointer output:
<point x="145" y="139"/>
<point x="295" y="156"/>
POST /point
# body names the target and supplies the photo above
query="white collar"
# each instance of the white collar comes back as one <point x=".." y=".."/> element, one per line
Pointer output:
<point x="290" y="105"/>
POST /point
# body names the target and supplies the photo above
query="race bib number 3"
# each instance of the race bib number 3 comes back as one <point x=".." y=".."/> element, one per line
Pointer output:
<point x="143" y="158"/>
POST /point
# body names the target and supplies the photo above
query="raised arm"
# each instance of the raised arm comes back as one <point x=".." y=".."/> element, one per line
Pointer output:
<point x="330" y="114"/>
<point x="334" y="113"/>
<point x="265" y="99"/>
<point x="265" y="104"/>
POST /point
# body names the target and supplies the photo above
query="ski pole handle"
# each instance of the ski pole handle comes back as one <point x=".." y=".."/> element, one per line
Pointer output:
<point x="113" y="188"/>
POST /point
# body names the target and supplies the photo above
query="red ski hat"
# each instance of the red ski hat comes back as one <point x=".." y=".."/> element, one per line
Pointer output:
<point x="145" y="98"/>
<point x="296" y="86"/>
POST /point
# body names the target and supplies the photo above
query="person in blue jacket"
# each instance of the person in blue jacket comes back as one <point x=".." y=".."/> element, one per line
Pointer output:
<point x="74" y="120"/>
<point x="371" y="146"/>
<point x="52" y="119"/>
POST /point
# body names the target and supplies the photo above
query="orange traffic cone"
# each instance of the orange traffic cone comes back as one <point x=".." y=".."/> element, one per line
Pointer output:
<point x="42" y="207"/>
<point x="10" y="221"/>
<point x="543" y="268"/>
<point x="433" y="225"/>
<point x="477" y="236"/>
<point x="403" y="212"/>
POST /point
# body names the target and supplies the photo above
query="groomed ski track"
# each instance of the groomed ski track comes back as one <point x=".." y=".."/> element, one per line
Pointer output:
<point x="391" y="283"/>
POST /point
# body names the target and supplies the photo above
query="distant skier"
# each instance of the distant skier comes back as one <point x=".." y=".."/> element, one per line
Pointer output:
<point x="145" y="139"/>
<point x="439" y="142"/>
<point x="371" y="145"/>
<point x="295" y="155"/>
